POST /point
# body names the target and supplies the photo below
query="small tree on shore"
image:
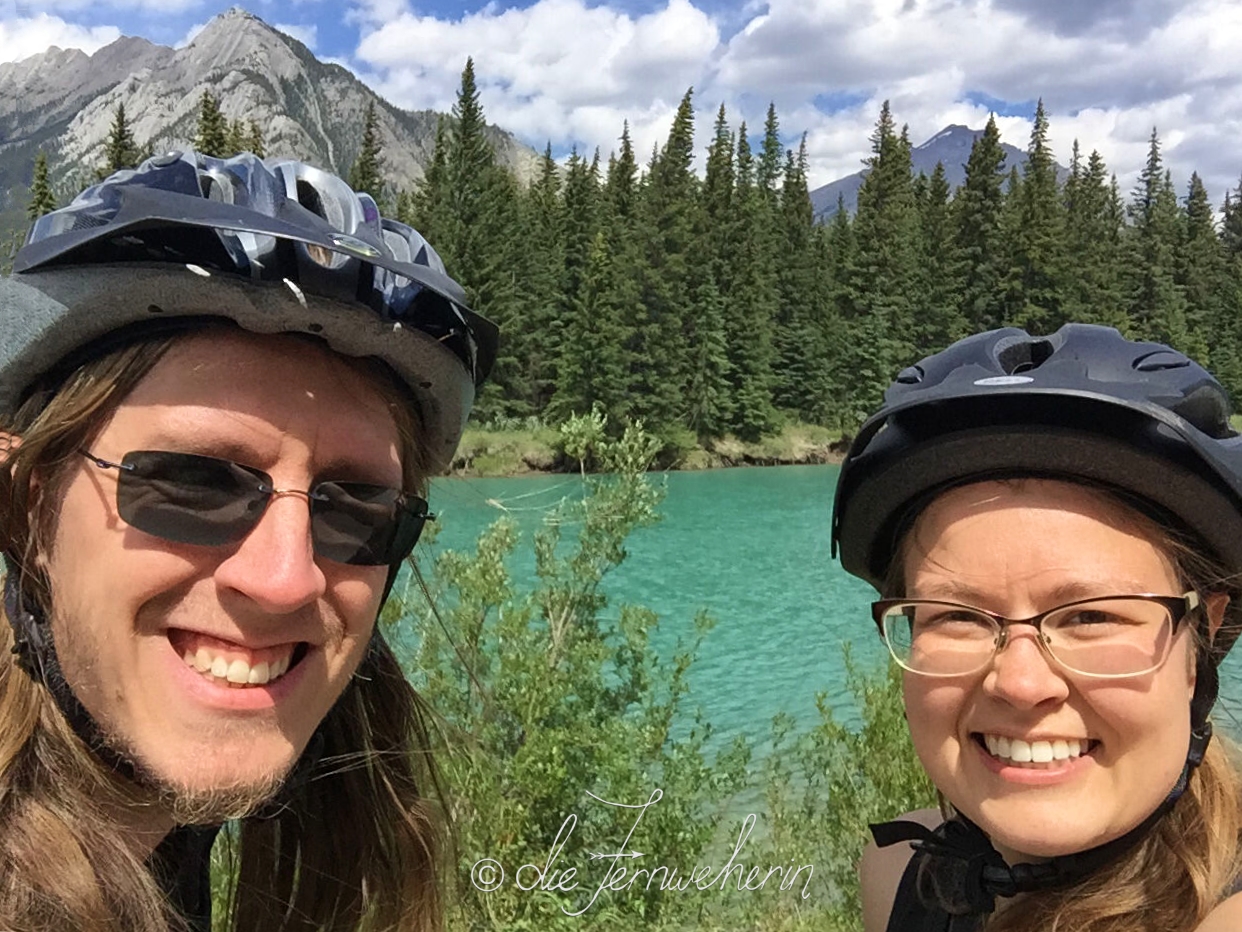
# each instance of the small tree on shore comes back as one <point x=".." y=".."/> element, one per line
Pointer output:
<point x="42" y="200"/>
<point x="367" y="173"/>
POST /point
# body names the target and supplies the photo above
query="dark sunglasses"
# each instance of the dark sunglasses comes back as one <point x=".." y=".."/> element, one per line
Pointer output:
<point x="191" y="499"/>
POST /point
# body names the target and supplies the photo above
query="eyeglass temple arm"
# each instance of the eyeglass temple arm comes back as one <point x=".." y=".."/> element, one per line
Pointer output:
<point x="102" y="463"/>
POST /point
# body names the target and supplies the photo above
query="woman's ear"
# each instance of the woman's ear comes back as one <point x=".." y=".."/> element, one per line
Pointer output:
<point x="1215" y="604"/>
<point x="8" y="443"/>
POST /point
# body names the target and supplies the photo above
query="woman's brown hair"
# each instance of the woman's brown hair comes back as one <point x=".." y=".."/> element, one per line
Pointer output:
<point x="355" y="846"/>
<point x="1188" y="862"/>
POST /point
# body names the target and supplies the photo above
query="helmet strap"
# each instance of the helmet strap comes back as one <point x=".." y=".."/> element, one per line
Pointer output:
<point x="968" y="873"/>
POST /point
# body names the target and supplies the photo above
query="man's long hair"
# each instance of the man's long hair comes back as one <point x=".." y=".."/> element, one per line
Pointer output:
<point x="354" y="846"/>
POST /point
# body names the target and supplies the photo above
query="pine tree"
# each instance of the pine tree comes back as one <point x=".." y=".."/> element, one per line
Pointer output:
<point x="753" y="300"/>
<point x="1202" y="274"/>
<point x="593" y="369"/>
<point x="771" y="157"/>
<point x="472" y="205"/>
<point x="1157" y="303"/>
<point x="120" y="151"/>
<point x="367" y="172"/>
<point x="542" y="285"/>
<point x="1231" y="223"/>
<point x="235" y="137"/>
<point x="806" y="338"/>
<point x="666" y="238"/>
<point x="1036" y="278"/>
<point x="938" y="320"/>
<point x="211" y="137"/>
<point x="981" y="249"/>
<point x="1093" y="237"/>
<point x="42" y="200"/>
<point x="254" y="141"/>
<point x="886" y="272"/>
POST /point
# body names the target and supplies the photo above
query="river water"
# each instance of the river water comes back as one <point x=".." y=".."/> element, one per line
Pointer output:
<point x="752" y="547"/>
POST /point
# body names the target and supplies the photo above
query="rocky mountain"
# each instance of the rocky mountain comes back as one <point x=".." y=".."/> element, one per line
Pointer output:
<point x="951" y="146"/>
<point x="62" y="102"/>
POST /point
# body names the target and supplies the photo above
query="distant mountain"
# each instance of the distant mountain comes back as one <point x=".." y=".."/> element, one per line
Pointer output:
<point x="62" y="102"/>
<point x="951" y="146"/>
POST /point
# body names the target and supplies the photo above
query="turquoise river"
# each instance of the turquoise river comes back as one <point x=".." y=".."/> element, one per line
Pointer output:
<point x="752" y="547"/>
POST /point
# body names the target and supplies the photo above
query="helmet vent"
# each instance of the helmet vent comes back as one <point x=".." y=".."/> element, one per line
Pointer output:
<point x="309" y="198"/>
<point x="1022" y="355"/>
<point x="1161" y="359"/>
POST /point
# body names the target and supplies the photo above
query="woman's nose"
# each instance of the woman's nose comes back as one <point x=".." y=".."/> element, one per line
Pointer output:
<point x="1023" y="674"/>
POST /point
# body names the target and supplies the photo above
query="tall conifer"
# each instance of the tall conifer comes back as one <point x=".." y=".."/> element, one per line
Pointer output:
<point x="1157" y="302"/>
<point x="42" y="200"/>
<point x="886" y="271"/>
<point x="120" y="151"/>
<point x="367" y="172"/>
<point x="981" y="249"/>
<point x="211" y="137"/>
<point x="666" y="236"/>
<point x="1037" y="270"/>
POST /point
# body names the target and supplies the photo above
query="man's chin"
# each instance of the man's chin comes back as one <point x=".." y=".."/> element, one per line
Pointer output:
<point x="209" y="799"/>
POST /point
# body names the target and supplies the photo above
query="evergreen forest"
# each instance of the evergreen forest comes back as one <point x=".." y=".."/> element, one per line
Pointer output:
<point x="712" y="304"/>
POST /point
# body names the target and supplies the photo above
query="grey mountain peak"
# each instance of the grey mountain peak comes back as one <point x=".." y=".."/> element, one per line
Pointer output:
<point x="63" y="103"/>
<point x="950" y="146"/>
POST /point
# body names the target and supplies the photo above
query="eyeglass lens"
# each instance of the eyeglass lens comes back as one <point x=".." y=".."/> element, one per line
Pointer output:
<point x="203" y="500"/>
<point x="1120" y="636"/>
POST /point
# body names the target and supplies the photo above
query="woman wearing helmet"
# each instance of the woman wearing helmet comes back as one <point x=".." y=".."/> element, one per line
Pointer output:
<point x="223" y="387"/>
<point x="1055" y="528"/>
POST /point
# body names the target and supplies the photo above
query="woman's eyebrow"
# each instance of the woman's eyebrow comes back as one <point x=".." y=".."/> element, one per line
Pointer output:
<point x="1071" y="590"/>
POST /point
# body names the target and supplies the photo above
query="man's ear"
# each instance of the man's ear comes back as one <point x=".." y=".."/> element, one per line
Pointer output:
<point x="1215" y="603"/>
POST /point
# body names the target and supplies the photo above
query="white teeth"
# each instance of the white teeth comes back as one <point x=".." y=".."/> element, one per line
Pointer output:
<point x="1036" y="752"/>
<point x="237" y="671"/>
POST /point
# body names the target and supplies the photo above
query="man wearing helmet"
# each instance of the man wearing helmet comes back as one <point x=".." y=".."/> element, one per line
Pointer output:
<point x="223" y="387"/>
<point x="1055" y="527"/>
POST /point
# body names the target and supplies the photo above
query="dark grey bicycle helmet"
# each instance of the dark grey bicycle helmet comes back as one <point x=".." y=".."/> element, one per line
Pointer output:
<point x="1082" y="404"/>
<point x="275" y="246"/>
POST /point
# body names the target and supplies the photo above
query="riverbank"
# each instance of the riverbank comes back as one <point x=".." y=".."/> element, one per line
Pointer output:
<point x="529" y="451"/>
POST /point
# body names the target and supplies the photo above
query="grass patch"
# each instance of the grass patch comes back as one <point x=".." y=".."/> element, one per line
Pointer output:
<point x="528" y="449"/>
<point x="509" y="452"/>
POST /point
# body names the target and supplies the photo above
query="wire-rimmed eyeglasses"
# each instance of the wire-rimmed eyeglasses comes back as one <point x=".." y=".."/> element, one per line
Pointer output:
<point x="1112" y="636"/>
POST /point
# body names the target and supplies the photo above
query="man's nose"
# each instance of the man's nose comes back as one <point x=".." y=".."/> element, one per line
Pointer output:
<point x="274" y="565"/>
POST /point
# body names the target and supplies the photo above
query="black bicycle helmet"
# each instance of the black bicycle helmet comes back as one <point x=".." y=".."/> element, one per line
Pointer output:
<point x="1082" y="404"/>
<point x="275" y="246"/>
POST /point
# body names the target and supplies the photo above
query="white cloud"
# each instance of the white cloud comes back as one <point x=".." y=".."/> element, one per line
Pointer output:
<point x="1175" y="67"/>
<point x="559" y="69"/>
<point x="161" y="7"/>
<point x="190" y="35"/>
<point x="307" y="35"/>
<point x="25" y="36"/>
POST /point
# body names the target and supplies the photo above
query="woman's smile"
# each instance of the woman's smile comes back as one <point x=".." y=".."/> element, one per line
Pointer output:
<point x="1046" y="761"/>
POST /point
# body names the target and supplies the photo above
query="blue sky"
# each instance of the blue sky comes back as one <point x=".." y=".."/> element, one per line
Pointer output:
<point x="571" y="71"/>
